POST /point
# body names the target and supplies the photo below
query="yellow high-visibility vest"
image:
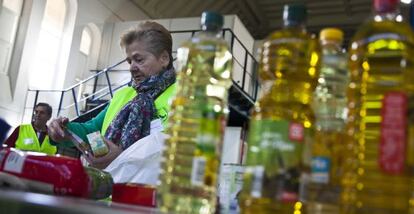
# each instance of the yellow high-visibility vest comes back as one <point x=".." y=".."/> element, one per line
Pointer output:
<point x="124" y="95"/>
<point x="28" y="141"/>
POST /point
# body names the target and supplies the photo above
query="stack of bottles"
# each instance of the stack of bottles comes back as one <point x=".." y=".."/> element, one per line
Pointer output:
<point x="333" y="134"/>
<point x="57" y="175"/>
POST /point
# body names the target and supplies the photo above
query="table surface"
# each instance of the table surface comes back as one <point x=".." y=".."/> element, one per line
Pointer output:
<point x="12" y="201"/>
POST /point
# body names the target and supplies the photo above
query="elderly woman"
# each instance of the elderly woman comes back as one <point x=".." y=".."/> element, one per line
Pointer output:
<point x="128" y="116"/>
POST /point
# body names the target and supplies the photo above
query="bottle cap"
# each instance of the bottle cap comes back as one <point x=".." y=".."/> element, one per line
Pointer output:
<point x="294" y="14"/>
<point x="385" y="6"/>
<point x="211" y="19"/>
<point x="331" y="34"/>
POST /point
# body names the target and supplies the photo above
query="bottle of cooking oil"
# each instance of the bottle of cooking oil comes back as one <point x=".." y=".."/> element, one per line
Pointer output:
<point x="329" y="104"/>
<point x="188" y="180"/>
<point x="281" y="124"/>
<point x="410" y="153"/>
<point x="379" y="171"/>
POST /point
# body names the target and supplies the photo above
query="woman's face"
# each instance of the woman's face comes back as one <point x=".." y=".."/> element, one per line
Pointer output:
<point x="143" y="63"/>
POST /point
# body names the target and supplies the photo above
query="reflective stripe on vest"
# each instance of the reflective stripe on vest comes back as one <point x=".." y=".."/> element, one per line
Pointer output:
<point x="28" y="141"/>
<point x="124" y="95"/>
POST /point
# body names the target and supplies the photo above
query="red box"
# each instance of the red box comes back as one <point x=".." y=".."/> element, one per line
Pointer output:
<point x="133" y="193"/>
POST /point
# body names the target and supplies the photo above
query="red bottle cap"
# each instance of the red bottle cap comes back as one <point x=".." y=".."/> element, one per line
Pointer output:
<point x="385" y="6"/>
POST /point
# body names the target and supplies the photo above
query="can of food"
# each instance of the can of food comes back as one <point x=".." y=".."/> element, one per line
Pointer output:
<point x="100" y="183"/>
<point x="134" y="193"/>
<point x="97" y="144"/>
<point x="230" y="184"/>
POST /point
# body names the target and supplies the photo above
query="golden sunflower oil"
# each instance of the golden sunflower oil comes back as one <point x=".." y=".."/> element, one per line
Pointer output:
<point x="329" y="104"/>
<point x="191" y="159"/>
<point x="379" y="162"/>
<point x="280" y="132"/>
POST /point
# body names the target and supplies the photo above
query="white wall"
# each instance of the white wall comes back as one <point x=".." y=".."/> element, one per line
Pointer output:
<point x="12" y="106"/>
<point x="232" y="146"/>
<point x="99" y="12"/>
<point x="9" y="19"/>
<point x="256" y="46"/>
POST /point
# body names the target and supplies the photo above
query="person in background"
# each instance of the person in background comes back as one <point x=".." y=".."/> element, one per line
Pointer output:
<point x="34" y="136"/>
<point x="4" y="129"/>
<point x="128" y="116"/>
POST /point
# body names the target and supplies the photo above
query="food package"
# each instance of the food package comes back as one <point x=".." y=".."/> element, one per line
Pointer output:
<point x="97" y="144"/>
<point x="58" y="175"/>
<point x="133" y="193"/>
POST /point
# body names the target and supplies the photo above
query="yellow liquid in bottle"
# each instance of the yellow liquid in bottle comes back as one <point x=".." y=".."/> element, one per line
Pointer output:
<point x="281" y="123"/>
<point x="329" y="105"/>
<point x="197" y="120"/>
<point x="379" y="157"/>
<point x="324" y="197"/>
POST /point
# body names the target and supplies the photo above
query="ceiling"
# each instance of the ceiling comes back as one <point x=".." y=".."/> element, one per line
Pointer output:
<point x="264" y="16"/>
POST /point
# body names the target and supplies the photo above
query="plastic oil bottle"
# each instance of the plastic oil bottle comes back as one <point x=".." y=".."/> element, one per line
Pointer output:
<point x="189" y="175"/>
<point x="379" y="164"/>
<point x="329" y="105"/>
<point x="281" y="122"/>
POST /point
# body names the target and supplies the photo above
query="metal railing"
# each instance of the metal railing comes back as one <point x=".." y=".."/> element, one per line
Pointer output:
<point x="247" y="83"/>
<point x="96" y="95"/>
<point x="243" y="63"/>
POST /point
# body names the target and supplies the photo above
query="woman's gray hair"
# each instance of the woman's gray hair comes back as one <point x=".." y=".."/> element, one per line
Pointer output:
<point x="156" y="37"/>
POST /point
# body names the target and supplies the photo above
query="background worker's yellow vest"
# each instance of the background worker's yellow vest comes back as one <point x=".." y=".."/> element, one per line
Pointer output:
<point x="28" y="141"/>
<point x="124" y="95"/>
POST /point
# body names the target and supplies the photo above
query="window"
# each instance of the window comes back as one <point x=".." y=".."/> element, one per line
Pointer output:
<point x="46" y="58"/>
<point x="90" y="40"/>
<point x="9" y="19"/>
<point x="13" y="5"/>
<point x="86" y="41"/>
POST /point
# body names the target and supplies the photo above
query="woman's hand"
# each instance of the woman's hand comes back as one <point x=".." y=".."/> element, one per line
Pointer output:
<point x="56" y="129"/>
<point x="104" y="161"/>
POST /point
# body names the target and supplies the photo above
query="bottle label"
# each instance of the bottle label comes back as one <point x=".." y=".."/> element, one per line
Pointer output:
<point x="320" y="170"/>
<point x="393" y="132"/>
<point x="198" y="171"/>
<point x="257" y="172"/>
<point x="208" y="149"/>
<point x="288" y="197"/>
<point x="210" y="131"/>
<point x="296" y="131"/>
<point x="231" y="182"/>
<point x="277" y="147"/>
